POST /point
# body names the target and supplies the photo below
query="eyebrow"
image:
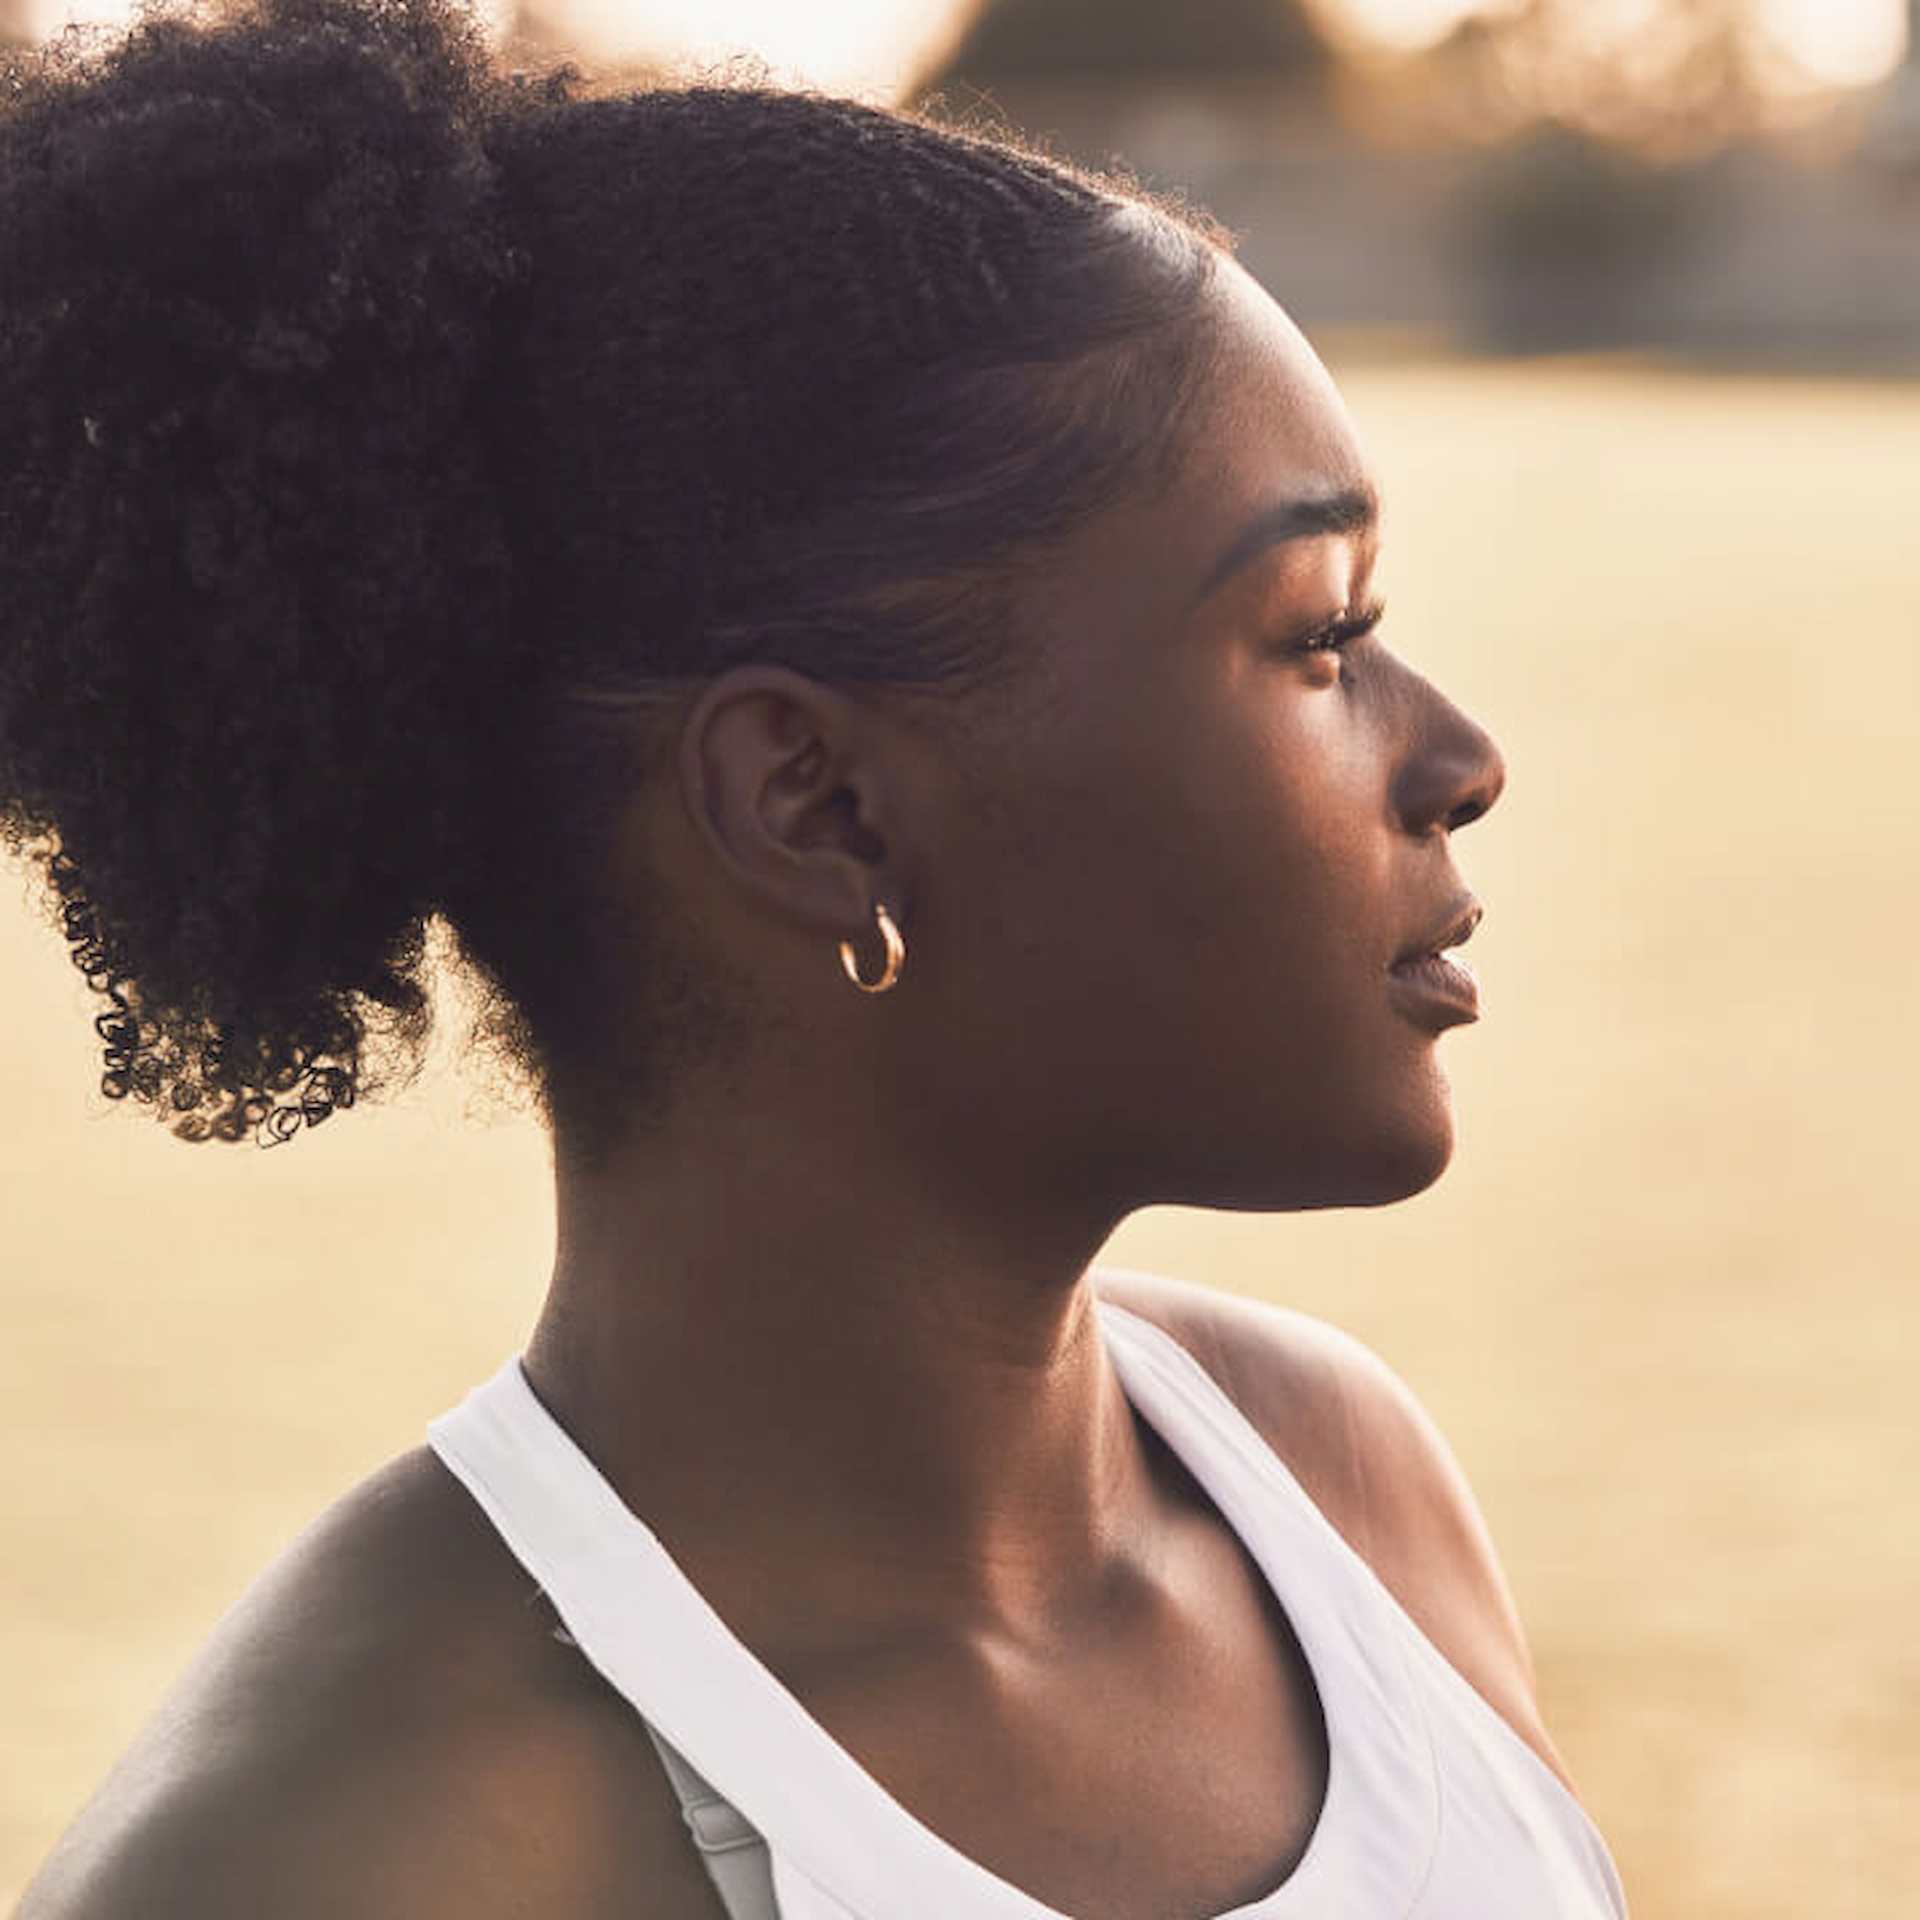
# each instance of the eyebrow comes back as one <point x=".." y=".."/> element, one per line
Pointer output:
<point x="1353" y="510"/>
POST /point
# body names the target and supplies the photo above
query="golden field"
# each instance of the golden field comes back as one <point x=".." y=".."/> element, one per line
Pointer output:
<point x="1666" y="1304"/>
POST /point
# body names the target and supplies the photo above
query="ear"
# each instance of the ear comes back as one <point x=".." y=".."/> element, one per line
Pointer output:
<point x="785" y="782"/>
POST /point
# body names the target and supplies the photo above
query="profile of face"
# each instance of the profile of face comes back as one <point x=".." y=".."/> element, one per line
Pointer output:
<point x="1166" y="892"/>
<point x="1171" y="917"/>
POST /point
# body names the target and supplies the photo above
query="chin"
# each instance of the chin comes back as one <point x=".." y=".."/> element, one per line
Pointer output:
<point x="1408" y="1167"/>
<point x="1334" y="1150"/>
<point x="1373" y="1162"/>
<point x="1395" y="1149"/>
<point x="1371" y="1171"/>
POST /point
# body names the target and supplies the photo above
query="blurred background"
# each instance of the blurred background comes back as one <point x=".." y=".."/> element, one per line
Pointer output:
<point x="1626" y="297"/>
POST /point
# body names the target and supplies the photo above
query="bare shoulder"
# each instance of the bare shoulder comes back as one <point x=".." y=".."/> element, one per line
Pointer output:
<point x="384" y="1725"/>
<point x="1368" y="1455"/>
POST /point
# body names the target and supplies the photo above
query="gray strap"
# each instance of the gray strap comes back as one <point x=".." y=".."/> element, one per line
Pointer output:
<point x="732" y="1851"/>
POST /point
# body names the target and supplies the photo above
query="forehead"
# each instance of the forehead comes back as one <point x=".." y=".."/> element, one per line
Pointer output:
<point x="1271" y="425"/>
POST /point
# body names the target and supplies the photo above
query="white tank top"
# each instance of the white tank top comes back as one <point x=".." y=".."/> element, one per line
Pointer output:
<point x="1435" y="1808"/>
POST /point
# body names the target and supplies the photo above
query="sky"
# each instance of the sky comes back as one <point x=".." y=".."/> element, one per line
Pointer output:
<point x="874" y="45"/>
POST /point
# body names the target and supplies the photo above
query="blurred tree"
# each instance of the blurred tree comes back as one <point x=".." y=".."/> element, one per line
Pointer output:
<point x="1031" y="38"/>
<point x="1672" y="78"/>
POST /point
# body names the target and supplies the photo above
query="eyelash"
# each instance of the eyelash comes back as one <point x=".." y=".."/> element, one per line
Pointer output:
<point x="1338" y="635"/>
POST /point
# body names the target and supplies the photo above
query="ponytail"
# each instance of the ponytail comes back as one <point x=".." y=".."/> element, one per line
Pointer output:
<point x="253" y="576"/>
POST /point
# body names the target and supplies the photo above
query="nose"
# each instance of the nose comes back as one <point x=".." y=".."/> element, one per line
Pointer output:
<point x="1454" y="772"/>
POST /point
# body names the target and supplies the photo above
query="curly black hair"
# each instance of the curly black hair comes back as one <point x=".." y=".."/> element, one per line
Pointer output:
<point x="384" y="435"/>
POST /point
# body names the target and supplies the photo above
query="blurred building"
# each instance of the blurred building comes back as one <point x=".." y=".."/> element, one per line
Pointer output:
<point x="1373" y="202"/>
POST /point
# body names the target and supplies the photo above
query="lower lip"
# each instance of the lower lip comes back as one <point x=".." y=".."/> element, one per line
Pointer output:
<point x="1436" y="991"/>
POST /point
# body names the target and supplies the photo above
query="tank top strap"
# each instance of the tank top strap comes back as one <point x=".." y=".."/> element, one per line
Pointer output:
<point x="1379" y="1827"/>
<point x="1497" y="1815"/>
<point x="651" y="1635"/>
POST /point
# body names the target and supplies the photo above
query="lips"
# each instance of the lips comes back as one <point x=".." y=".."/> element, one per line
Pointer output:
<point x="1454" y="931"/>
<point x="1434" y="989"/>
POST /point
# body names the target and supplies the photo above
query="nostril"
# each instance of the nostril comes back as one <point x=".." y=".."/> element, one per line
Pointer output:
<point x="1452" y="776"/>
<point x="1477" y="794"/>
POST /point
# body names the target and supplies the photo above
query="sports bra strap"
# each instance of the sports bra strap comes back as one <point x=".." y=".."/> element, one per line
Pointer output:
<point x="732" y="1851"/>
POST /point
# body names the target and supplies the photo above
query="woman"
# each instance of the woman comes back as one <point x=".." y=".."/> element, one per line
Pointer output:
<point x="867" y="635"/>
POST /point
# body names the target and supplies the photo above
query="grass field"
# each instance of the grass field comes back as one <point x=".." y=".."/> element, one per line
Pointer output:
<point x="1667" y="1303"/>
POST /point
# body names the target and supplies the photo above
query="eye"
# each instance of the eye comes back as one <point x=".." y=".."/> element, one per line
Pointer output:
<point x="1328" y="644"/>
<point x="1344" y="630"/>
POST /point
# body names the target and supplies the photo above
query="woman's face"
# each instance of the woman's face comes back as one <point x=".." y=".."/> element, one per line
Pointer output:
<point x="1168" y="924"/>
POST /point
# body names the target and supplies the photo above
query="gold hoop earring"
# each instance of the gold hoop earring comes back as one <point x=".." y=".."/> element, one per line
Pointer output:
<point x="896" y="955"/>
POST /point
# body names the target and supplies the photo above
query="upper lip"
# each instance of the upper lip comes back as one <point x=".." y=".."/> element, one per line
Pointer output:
<point x="1455" y="930"/>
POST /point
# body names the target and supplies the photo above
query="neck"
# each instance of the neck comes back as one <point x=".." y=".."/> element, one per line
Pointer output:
<point x="789" y="1348"/>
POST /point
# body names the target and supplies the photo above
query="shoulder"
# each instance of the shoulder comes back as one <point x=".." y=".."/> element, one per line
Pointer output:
<point x="385" y="1725"/>
<point x="1371" y="1459"/>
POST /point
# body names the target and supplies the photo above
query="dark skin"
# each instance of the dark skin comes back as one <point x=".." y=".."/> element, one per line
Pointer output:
<point x="1150" y="906"/>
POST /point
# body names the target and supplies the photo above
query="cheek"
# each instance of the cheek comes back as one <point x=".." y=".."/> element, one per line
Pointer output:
<point x="1275" y="853"/>
<point x="1207" y="882"/>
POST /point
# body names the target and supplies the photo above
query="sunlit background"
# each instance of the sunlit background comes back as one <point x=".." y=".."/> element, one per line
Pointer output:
<point x="1626" y="296"/>
<point x="879" y="44"/>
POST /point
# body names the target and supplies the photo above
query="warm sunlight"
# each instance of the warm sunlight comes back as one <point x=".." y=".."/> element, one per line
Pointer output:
<point x="859" y="44"/>
<point x="1839" y="42"/>
<point x="1847" y="45"/>
<point x="874" y="45"/>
